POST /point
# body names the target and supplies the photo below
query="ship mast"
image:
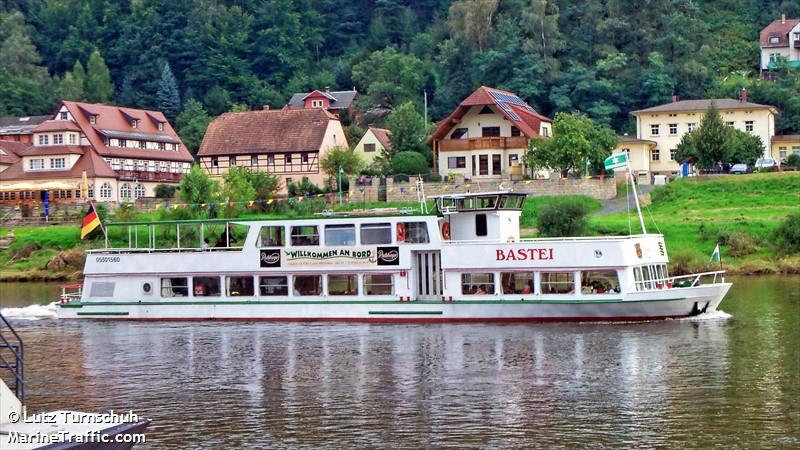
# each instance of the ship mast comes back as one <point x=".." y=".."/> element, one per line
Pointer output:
<point x="636" y="199"/>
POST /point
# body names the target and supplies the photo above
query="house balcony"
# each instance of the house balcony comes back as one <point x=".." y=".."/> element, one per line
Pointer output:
<point x="143" y="175"/>
<point x="484" y="143"/>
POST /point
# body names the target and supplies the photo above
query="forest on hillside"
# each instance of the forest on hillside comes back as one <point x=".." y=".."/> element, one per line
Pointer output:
<point x="601" y="57"/>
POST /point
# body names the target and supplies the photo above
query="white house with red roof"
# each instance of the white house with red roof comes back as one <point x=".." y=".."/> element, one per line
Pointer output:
<point x="487" y="135"/>
<point x="781" y="38"/>
<point x="122" y="153"/>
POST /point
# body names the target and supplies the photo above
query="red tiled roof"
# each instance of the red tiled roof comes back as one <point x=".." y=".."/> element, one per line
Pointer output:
<point x="527" y="120"/>
<point x="118" y="119"/>
<point x="56" y="125"/>
<point x="9" y="151"/>
<point x="90" y="162"/>
<point x="274" y="131"/>
<point x="780" y="29"/>
<point x="53" y="150"/>
<point x="383" y="136"/>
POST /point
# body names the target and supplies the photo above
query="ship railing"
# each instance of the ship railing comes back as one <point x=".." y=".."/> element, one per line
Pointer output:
<point x="119" y="250"/>
<point x="682" y="281"/>
<point x="549" y="239"/>
<point x="12" y="357"/>
<point x="70" y="292"/>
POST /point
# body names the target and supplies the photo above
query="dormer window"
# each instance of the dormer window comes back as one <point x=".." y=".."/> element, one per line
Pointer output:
<point x="774" y="39"/>
<point x="317" y="103"/>
<point x="160" y="126"/>
<point x="134" y="123"/>
<point x="64" y="115"/>
<point x="93" y="119"/>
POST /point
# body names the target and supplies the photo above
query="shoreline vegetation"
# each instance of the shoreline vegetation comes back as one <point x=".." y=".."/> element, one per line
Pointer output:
<point x="741" y="213"/>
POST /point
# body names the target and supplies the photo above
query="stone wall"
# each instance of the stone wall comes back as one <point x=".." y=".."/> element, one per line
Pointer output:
<point x="407" y="192"/>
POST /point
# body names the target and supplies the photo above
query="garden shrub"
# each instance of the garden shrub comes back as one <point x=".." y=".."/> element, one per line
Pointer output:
<point x="562" y="217"/>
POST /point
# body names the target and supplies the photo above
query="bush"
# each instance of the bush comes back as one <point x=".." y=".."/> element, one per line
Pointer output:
<point x="793" y="161"/>
<point x="788" y="234"/>
<point x="305" y="187"/>
<point x="125" y="212"/>
<point x="165" y="191"/>
<point x="562" y="217"/>
<point x="432" y="178"/>
<point x="740" y="244"/>
<point x="409" y="163"/>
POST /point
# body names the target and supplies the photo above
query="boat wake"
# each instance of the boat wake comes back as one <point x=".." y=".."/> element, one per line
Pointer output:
<point x="31" y="312"/>
<point x="714" y="315"/>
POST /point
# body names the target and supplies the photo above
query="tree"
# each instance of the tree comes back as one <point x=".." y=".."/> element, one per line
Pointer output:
<point x="197" y="187"/>
<point x="576" y="141"/>
<point x="169" y="100"/>
<point x="236" y="189"/>
<point x="388" y="78"/>
<point x="708" y="144"/>
<point x="99" y="88"/>
<point x="342" y="157"/>
<point x="745" y="147"/>
<point x="409" y="163"/>
<point x="265" y="185"/>
<point x="562" y="217"/>
<point x="192" y="124"/>
<point x="73" y="84"/>
<point x="353" y="133"/>
<point x="407" y="130"/>
<point x="471" y="21"/>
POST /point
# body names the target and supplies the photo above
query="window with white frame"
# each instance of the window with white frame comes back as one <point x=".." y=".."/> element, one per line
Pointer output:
<point x="673" y="129"/>
<point x="57" y="163"/>
<point x="477" y="283"/>
<point x="105" y="190"/>
<point x="796" y="149"/>
<point x="654" y="129"/>
<point x="139" y="191"/>
<point x="64" y="115"/>
<point x="730" y="124"/>
<point x="672" y="153"/>
<point x="90" y="191"/>
<point x="36" y="164"/>
<point x="125" y="191"/>
<point x="557" y="282"/>
<point x="378" y="284"/>
<point x="73" y="139"/>
<point x="58" y="139"/>
<point x="44" y="139"/>
<point x="93" y="119"/>
<point x="748" y="125"/>
<point x="691" y="126"/>
<point x="160" y="126"/>
<point x="782" y="152"/>
<point x="655" y="154"/>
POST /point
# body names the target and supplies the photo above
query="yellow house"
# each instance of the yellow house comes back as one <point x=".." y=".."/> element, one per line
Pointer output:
<point x="638" y="151"/>
<point x="372" y="144"/>
<point x="785" y="145"/>
<point x="666" y="124"/>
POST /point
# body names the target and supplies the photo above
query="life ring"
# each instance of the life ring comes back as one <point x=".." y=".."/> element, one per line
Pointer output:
<point x="510" y="239"/>
<point x="446" y="231"/>
<point x="401" y="232"/>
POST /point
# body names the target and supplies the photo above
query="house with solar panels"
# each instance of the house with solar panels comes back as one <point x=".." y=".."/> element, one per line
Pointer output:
<point x="487" y="135"/>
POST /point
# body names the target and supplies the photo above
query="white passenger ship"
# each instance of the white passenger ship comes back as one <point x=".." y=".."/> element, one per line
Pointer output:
<point x="465" y="264"/>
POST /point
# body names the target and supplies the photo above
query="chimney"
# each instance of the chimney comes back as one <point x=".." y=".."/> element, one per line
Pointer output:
<point x="783" y="19"/>
<point x="674" y="99"/>
<point x="327" y="88"/>
<point x="743" y="95"/>
<point x="266" y="107"/>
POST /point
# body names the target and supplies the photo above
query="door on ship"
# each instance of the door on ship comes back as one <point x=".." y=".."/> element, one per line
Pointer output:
<point x="427" y="275"/>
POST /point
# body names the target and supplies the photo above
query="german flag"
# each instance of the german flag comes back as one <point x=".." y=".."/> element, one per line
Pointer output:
<point x="90" y="222"/>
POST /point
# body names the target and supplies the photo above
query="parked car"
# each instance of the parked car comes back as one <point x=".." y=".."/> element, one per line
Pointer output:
<point x="766" y="164"/>
<point x="740" y="169"/>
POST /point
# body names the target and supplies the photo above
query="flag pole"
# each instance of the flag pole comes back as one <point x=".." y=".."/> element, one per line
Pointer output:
<point x="636" y="197"/>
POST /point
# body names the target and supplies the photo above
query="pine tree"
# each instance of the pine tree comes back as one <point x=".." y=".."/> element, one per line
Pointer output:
<point x="168" y="97"/>
<point x="99" y="88"/>
<point x="73" y="84"/>
<point x="191" y="124"/>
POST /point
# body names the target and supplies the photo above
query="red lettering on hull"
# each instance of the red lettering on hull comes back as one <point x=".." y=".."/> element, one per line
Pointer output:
<point x="524" y="254"/>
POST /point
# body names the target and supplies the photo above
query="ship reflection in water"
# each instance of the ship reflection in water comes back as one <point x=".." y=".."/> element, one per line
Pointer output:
<point x="344" y="385"/>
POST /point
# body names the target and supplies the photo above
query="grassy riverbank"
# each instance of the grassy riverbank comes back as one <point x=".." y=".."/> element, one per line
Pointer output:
<point x="740" y="212"/>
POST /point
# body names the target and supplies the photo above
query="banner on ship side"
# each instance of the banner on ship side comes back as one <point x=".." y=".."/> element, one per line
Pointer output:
<point x="347" y="256"/>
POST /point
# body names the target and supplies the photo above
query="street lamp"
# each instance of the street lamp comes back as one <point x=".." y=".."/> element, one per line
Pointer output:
<point x="341" y="171"/>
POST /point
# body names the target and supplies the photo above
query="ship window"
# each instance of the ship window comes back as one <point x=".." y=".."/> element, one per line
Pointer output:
<point x="517" y="282"/>
<point x="270" y="286"/>
<point x="343" y="284"/>
<point x="637" y="277"/>
<point x="477" y="283"/>
<point x="487" y="202"/>
<point x="307" y="285"/>
<point x="599" y="282"/>
<point x="376" y="233"/>
<point x="239" y="286"/>
<point x="416" y="232"/>
<point x="558" y="282"/>
<point x="466" y="203"/>
<point x="340" y="235"/>
<point x="175" y="287"/>
<point x="102" y="289"/>
<point x="511" y="202"/>
<point x="305" y="235"/>
<point x="481" y="229"/>
<point x="379" y="284"/>
<point x="271" y="236"/>
<point x="205" y="286"/>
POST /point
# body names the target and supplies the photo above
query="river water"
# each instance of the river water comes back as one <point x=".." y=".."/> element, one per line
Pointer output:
<point x="726" y="380"/>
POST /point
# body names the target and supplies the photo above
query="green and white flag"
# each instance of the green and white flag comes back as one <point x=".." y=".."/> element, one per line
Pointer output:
<point x="715" y="255"/>
<point x="616" y="161"/>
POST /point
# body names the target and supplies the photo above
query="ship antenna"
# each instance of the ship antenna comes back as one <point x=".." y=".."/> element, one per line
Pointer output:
<point x="636" y="198"/>
<point x="423" y="205"/>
